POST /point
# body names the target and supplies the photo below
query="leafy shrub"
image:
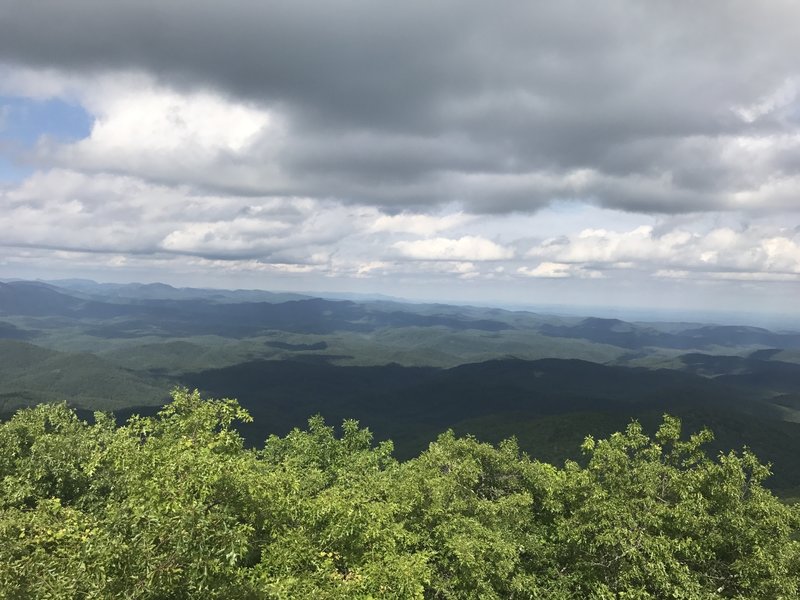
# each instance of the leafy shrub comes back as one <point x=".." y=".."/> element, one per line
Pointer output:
<point x="175" y="506"/>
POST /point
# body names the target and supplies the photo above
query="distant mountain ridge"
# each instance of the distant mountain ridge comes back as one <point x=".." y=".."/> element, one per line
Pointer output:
<point x="628" y="335"/>
<point x="201" y="315"/>
<point x="163" y="291"/>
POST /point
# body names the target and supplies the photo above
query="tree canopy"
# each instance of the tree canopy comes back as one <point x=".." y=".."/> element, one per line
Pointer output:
<point x="175" y="506"/>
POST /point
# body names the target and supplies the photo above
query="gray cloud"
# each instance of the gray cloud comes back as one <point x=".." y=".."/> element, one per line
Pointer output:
<point x="503" y="107"/>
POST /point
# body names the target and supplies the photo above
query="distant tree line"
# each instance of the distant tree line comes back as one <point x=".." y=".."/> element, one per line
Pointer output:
<point x="175" y="506"/>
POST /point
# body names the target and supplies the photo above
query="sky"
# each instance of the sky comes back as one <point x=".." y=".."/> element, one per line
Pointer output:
<point x="616" y="153"/>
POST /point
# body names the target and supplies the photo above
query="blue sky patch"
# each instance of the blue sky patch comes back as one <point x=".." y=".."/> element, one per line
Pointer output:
<point x="24" y="120"/>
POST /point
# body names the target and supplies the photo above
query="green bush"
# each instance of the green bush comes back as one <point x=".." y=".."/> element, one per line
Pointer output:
<point x="176" y="507"/>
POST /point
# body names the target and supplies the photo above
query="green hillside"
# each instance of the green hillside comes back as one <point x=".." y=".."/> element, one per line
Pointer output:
<point x="30" y="375"/>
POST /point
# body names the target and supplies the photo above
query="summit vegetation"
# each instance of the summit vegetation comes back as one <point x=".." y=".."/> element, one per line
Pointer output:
<point x="175" y="505"/>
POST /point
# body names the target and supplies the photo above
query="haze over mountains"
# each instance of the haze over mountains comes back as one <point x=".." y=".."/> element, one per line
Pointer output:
<point x="407" y="371"/>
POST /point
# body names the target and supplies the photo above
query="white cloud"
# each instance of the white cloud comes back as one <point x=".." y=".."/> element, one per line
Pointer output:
<point x="153" y="132"/>
<point x="236" y="235"/>
<point x="769" y="250"/>
<point x="160" y="121"/>
<point x="368" y="268"/>
<point x="549" y="270"/>
<point x="111" y="213"/>
<point x="554" y="270"/>
<point x="467" y="248"/>
<point x="419" y="224"/>
<point x="671" y="274"/>
<point x="135" y="114"/>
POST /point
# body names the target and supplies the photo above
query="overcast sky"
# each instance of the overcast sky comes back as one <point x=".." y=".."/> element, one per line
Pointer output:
<point x="594" y="153"/>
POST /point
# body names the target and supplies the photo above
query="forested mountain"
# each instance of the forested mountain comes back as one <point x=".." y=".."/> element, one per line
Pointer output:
<point x="408" y="371"/>
<point x="203" y="316"/>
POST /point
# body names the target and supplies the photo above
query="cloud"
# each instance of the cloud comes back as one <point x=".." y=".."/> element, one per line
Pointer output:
<point x="120" y="215"/>
<point x="161" y="121"/>
<point x="153" y="132"/>
<point x="765" y="252"/>
<point x="418" y="224"/>
<point x="672" y="274"/>
<point x="732" y="276"/>
<point x="658" y="109"/>
<point x="553" y="270"/>
<point x="68" y="210"/>
<point x="538" y="145"/>
<point x="467" y="248"/>
<point x="780" y="98"/>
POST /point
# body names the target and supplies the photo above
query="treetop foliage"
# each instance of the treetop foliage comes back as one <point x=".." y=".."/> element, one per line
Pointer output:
<point x="175" y="506"/>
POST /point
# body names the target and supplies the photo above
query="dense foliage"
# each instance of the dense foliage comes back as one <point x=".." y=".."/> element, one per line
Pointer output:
<point x="176" y="507"/>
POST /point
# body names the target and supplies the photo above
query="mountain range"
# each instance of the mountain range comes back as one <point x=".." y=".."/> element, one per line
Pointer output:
<point x="407" y="371"/>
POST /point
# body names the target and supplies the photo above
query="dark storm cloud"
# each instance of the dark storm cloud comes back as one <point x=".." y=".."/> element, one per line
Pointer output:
<point x="496" y="105"/>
